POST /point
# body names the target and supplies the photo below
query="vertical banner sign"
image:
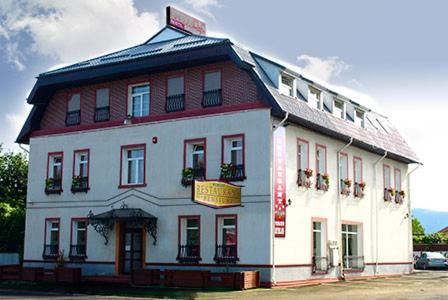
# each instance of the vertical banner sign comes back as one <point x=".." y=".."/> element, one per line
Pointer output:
<point x="279" y="182"/>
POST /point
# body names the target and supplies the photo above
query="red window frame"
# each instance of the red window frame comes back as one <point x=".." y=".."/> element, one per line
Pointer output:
<point x="179" y="229"/>
<point x="397" y="170"/>
<point x="357" y="158"/>
<point x="319" y="146"/>
<point x="235" y="216"/>
<point x="196" y="141"/>
<point x="384" y="176"/>
<point x="87" y="150"/>
<point x="346" y="165"/>
<point x="129" y="147"/>
<point x="232" y="136"/>
<point x="73" y="220"/>
<point x="299" y="140"/>
<point x="51" y="154"/>
<point x="52" y="219"/>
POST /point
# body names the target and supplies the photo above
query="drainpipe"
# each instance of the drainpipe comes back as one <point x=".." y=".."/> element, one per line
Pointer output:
<point x="375" y="198"/>
<point x="24" y="149"/>
<point x="409" y="214"/>
<point x="339" y="207"/>
<point x="275" y="127"/>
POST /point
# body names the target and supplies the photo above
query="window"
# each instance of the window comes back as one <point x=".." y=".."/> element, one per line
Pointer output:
<point x="233" y="158"/>
<point x="212" y="89"/>
<point x="80" y="180"/>
<point x="133" y="165"/>
<point x="73" y="116"/>
<point x="78" y="239"/>
<point x="139" y="98"/>
<point x="303" y="163"/>
<point x="351" y="247"/>
<point x="314" y="97"/>
<point x="53" y="184"/>
<point x="226" y="239"/>
<point x="175" y="94"/>
<point x="397" y="180"/>
<point x="357" y="177"/>
<point x="359" y="118"/>
<point x="287" y="85"/>
<point x="189" y="239"/>
<point x="320" y="260"/>
<point x="102" y="109"/>
<point x="195" y="157"/>
<point x="343" y="171"/>
<point x="387" y="183"/>
<point x="322" y="178"/>
<point x="51" y="243"/>
<point x="339" y="108"/>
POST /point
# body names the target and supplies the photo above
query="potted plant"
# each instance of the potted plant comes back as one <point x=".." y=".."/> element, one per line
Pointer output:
<point x="347" y="182"/>
<point x="391" y="191"/>
<point x="49" y="183"/>
<point x="347" y="185"/>
<point x="187" y="176"/>
<point x="362" y="185"/>
<point x="226" y="171"/>
<point x="76" y="181"/>
<point x="402" y="194"/>
<point x="308" y="172"/>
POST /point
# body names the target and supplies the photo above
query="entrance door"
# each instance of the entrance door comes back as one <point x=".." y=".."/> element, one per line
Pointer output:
<point x="132" y="250"/>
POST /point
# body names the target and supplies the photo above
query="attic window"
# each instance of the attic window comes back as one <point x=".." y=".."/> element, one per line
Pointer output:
<point x="359" y="118"/>
<point x="339" y="107"/>
<point x="314" y="97"/>
<point x="287" y="85"/>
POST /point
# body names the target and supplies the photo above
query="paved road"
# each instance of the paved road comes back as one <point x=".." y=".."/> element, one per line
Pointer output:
<point x="431" y="285"/>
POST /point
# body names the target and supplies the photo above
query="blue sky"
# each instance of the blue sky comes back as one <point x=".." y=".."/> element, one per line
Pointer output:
<point x="395" y="52"/>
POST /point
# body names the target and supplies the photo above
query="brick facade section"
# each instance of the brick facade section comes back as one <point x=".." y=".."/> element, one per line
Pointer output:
<point x="237" y="88"/>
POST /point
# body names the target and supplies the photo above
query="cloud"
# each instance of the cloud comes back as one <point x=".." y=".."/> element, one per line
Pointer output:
<point x="70" y="31"/>
<point x="13" y="123"/>
<point x="203" y="6"/>
<point x="326" y="69"/>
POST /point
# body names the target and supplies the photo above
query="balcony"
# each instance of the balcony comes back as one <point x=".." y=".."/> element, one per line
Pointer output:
<point x="320" y="265"/>
<point x="50" y="251"/>
<point x="53" y="186"/>
<point x="190" y="174"/>
<point x="80" y="184"/>
<point x="73" y="118"/>
<point x="322" y="182"/>
<point x="353" y="263"/>
<point x="188" y="254"/>
<point x="102" y="114"/>
<point x="212" y="98"/>
<point x="226" y="254"/>
<point x="231" y="172"/>
<point x="175" y="103"/>
<point x="77" y="252"/>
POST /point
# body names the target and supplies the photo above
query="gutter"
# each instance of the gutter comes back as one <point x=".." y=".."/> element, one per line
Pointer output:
<point x="339" y="207"/>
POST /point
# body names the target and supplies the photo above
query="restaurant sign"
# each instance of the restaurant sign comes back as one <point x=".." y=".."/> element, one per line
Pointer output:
<point x="279" y="192"/>
<point x="181" y="20"/>
<point x="216" y="194"/>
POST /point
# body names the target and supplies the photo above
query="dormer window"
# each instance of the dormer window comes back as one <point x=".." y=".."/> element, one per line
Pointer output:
<point x="359" y="118"/>
<point x="339" y="108"/>
<point x="314" y="97"/>
<point x="287" y="85"/>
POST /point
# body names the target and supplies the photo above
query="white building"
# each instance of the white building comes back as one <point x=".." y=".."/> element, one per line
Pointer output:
<point x="114" y="142"/>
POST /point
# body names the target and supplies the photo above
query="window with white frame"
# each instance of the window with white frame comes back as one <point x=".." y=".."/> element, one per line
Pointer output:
<point x="352" y="246"/>
<point x="397" y="173"/>
<point x="139" y="99"/>
<point x="133" y="167"/>
<point x="343" y="170"/>
<point x="79" y="238"/>
<point x="314" y="97"/>
<point x="321" y="159"/>
<point x="357" y="168"/>
<point x="339" y="108"/>
<point x="320" y="261"/>
<point x="54" y="175"/>
<point x="303" y="155"/>
<point x="287" y="85"/>
<point x="233" y="156"/>
<point x="386" y="177"/>
<point x="51" y="247"/>
<point x="189" y="239"/>
<point x="195" y="158"/>
<point x="359" y="118"/>
<point x="81" y="164"/>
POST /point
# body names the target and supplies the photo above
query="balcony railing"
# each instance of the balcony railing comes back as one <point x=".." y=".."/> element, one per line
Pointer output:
<point x="358" y="192"/>
<point x="50" y="251"/>
<point x="102" y="114"/>
<point x="53" y="186"/>
<point x="345" y="189"/>
<point x="355" y="263"/>
<point x="387" y="195"/>
<point x="398" y="197"/>
<point x="320" y="264"/>
<point x="73" y="118"/>
<point x="188" y="254"/>
<point x="175" y="103"/>
<point x="80" y="185"/>
<point x="212" y="98"/>
<point x="236" y="173"/>
<point x="77" y="252"/>
<point x="320" y="183"/>
<point x="226" y="254"/>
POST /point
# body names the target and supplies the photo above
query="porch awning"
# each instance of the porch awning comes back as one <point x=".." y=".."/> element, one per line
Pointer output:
<point x="104" y="222"/>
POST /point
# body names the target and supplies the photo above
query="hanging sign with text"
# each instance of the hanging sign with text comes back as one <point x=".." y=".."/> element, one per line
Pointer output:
<point x="181" y="20"/>
<point x="279" y="186"/>
<point x="216" y="194"/>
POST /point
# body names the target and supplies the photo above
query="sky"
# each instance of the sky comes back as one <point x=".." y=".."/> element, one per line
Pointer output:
<point x="394" y="54"/>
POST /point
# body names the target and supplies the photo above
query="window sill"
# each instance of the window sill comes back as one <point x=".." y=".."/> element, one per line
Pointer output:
<point x="226" y="261"/>
<point x="50" y="257"/>
<point x="189" y="260"/>
<point x="53" y="191"/>
<point x="75" y="190"/>
<point x="228" y="179"/>
<point x="128" y="186"/>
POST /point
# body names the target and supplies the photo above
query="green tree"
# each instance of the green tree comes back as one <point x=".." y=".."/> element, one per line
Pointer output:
<point x="13" y="185"/>
<point x="417" y="227"/>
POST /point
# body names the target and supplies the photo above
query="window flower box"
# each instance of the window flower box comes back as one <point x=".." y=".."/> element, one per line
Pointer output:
<point x="399" y="197"/>
<point x="80" y="184"/>
<point x="187" y="176"/>
<point x="230" y="172"/>
<point x="359" y="189"/>
<point x="323" y="182"/>
<point x="303" y="178"/>
<point x="346" y="185"/>
<point x="53" y="186"/>
<point x="389" y="194"/>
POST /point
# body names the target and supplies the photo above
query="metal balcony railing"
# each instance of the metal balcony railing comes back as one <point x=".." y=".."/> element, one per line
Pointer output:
<point x="175" y="103"/>
<point x="387" y="195"/>
<point x="73" y="118"/>
<point x="188" y="254"/>
<point x="320" y="264"/>
<point x="77" y="251"/>
<point x="212" y="98"/>
<point x="199" y="174"/>
<point x="357" y="191"/>
<point x="320" y="183"/>
<point x="50" y="251"/>
<point x="53" y="186"/>
<point x="226" y="254"/>
<point x="102" y="114"/>
<point x="236" y="173"/>
<point x="353" y="262"/>
<point x="398" y="197"/>
<point x="82" y="185"/>
<point x="345" y="189"/>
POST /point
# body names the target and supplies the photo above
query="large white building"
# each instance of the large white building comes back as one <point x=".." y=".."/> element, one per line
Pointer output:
<point x="115" y="142"/>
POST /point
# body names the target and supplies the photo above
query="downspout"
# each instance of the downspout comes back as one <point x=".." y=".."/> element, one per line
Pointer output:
<point x="339" y="206"/>
<point x="409" y="215"/>
<point x="375" y="198"/>
<point x="24" y="149"/>
<point x="273" y="280"/>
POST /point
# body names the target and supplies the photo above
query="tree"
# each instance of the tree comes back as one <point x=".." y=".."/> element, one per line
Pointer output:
<point x="417" y="227"/>
<point x="13" y="185"/>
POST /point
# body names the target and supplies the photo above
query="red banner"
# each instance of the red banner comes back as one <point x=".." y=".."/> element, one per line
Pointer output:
<point x="184" y="21"/>
<point x="279" y="182"/>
